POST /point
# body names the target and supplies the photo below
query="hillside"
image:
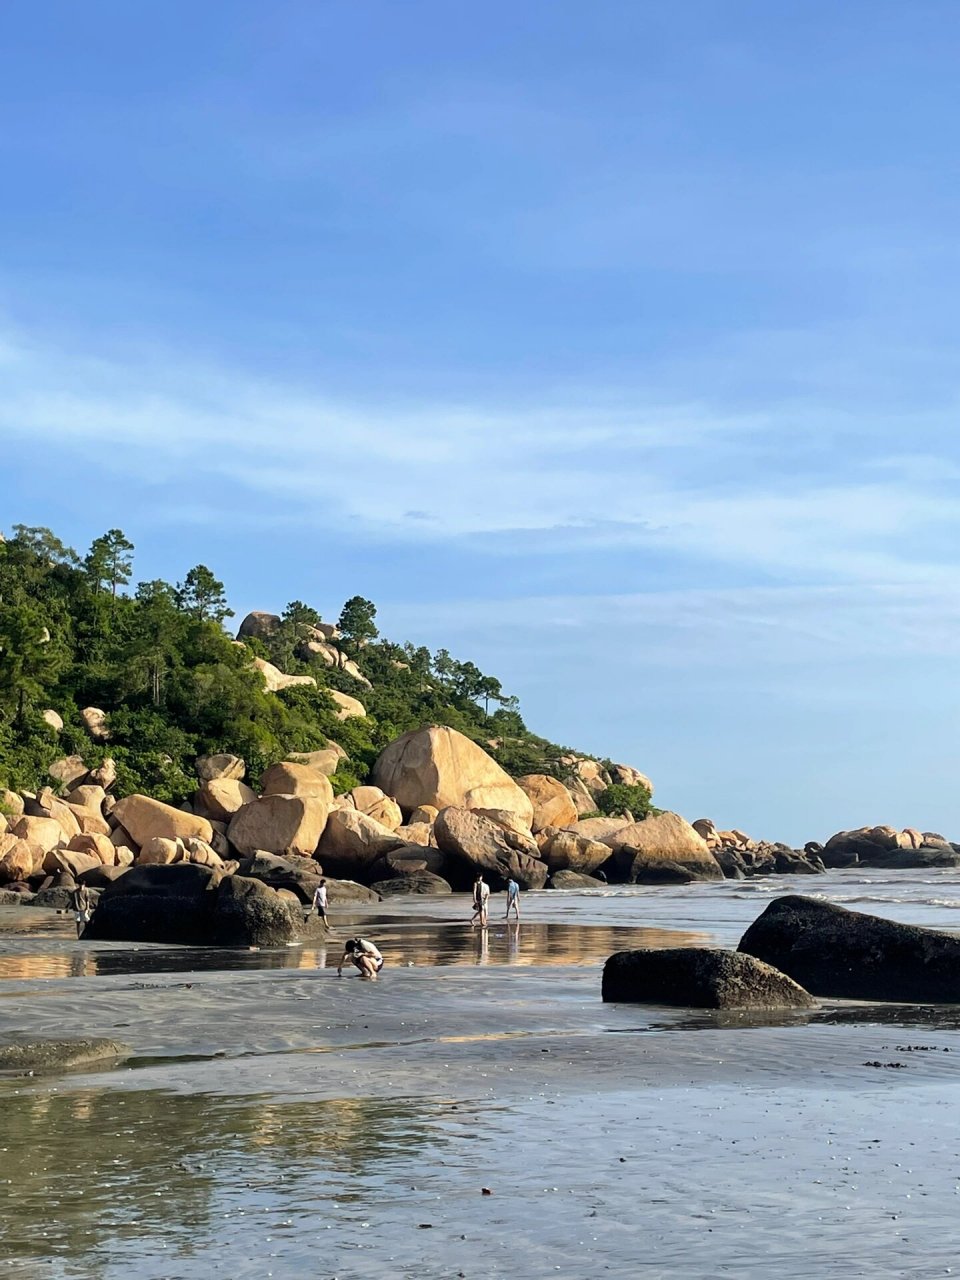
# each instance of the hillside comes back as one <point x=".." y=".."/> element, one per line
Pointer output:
<point x="78" y="638"/>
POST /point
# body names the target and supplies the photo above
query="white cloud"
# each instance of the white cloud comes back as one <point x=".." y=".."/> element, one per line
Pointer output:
<point x="592" y="472"/>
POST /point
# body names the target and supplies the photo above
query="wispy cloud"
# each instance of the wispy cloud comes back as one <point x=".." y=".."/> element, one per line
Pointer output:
<point x="593" y="472"/>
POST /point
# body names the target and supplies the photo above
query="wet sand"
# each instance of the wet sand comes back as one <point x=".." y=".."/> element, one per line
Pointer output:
<point x="276" y="1120"/>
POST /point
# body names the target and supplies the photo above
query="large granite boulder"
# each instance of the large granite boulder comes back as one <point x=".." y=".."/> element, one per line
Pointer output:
<point x="440" y="767"/>
<point x="326" y="761"/>
<point x="221" y="798"/>
<point x="347" y="707"/>
<point x="699" y="978"/>
<point x="353" y="842"/>
<point x="383" y="809"/>
<point x="279" y="824"/>
<point x="145" y="818"/>
<point x="274" y="679"/>
<point x="641" y="849"/>
<point x="474" y="843"/>
<point x="597" y="828"/>
<point x="630" y="777"/>
<point x="258" y="625"/>
<point x="835" y="952"/>
<point x="289" y="779"/>
<point x="19" y="859"/>
<point x="552" y="803"/>
<point x="224" y="766"/>
<point x="567" y="851"/>
<point x="46" y="833"/>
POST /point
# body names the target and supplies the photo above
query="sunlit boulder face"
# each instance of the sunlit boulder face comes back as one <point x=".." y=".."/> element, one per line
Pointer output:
<point x="440" y="767"/>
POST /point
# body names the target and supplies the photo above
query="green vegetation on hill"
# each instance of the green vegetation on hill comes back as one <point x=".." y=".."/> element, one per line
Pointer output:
<point x="175" y="685"/>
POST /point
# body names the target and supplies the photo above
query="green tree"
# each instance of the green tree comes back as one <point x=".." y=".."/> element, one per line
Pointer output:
<point x="301" y="615"/>
<point x="45" y="545"/>
<point x="356" y="623"/>
<point x="109" y="561"/>
<point x="202" y="596"/>
<point x="619" y="798"/>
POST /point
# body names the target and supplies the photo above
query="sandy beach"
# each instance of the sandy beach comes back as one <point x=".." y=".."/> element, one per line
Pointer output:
<point x="274" y="1120"/>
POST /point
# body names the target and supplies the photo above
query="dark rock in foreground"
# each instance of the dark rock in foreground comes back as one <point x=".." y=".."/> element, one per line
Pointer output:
<point x="835" y="952"/>
<point x="699" y="978"/>
<point x="190" y="904"/>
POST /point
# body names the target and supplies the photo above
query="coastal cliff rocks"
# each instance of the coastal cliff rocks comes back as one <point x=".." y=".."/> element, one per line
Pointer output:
<point x="440" y="767"/>
<point x="887" y="847"/>
<point x="553" y="805"/>
<point x="474" y="843"/>
<point x="835" y="952"/>
<point x="700" y="978"/>
<point x="19" y="859"/>
<point x="649" y="851"/>
<point x="280" y="824"/>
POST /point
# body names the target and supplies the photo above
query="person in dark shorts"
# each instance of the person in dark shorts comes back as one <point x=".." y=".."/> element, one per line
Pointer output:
<point x="320" y="902"/>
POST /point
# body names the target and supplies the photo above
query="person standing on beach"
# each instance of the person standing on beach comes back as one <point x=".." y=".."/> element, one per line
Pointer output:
<point x="362" y="953"/>
<point x="481" y="899"/>
<point x="513" y="898"/>
<point x="320" y="901"/>
<point x="82" y="902"/>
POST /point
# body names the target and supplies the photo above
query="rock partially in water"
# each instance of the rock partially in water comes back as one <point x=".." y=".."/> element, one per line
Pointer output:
<point x="566" y="879"/>
<point x="699" y="978"/>
<point x="836" y="952"/>
<point x="36" y="1056"/>
<point x="423" y="882"/>
<point x="249" y="913"/>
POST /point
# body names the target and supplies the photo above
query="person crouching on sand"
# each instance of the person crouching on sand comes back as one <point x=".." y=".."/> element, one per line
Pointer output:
<point x="362" y="953"/>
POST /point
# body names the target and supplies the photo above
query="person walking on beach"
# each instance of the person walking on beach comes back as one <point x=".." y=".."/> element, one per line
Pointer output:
<point x="362" y="953"/>
<point x="82" y="903"/>
<point x="513" y="899"/>
<point x="320" y="901"/>
<point x="481" y="899"/>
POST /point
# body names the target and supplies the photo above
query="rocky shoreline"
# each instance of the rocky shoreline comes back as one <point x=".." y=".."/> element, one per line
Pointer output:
<point x="237" y="866"/>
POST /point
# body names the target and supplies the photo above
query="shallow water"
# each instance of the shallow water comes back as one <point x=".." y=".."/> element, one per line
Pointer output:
<point x="274" y="1120"/>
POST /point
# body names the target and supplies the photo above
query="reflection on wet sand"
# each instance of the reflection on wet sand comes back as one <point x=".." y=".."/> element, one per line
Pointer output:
<point x="403" y="942"/>
<point x="98" y="1174"/>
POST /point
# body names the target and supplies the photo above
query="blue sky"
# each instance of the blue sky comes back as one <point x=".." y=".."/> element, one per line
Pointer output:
<point x="612" y="346"/>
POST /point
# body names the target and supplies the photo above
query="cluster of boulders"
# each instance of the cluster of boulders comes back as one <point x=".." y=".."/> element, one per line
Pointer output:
<point x="887" y="847"/>
<point x="739" y="856"/>
<point x="798" y="948"/>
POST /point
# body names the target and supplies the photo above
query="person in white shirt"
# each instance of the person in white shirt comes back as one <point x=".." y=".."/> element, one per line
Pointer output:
<point x="481" y="900"/>
<point x="320" y="901"/>
<point x="366" y="957"/>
